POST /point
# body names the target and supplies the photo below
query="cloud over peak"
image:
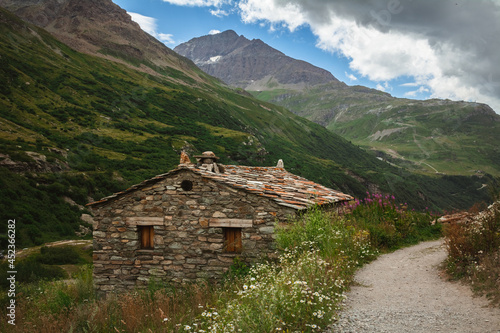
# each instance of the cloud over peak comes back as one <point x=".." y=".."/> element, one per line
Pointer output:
<point x="148" y="24"/>
<point x="450" y="48"/>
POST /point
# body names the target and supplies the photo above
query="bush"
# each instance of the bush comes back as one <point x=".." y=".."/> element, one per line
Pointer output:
<point x="391" y="225"/>
<point x="30" y="270"/>
<point x="331" y="234"/>
<point x="60" y="255"/>
<point x="474" y="252"/>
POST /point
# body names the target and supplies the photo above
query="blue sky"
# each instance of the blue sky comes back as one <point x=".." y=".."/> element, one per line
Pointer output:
<point x="408" y="48"/>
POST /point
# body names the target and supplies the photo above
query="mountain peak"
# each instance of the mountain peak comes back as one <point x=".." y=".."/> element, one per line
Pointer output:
<point x="250" y="64"/>
<point x="229" y="33"/>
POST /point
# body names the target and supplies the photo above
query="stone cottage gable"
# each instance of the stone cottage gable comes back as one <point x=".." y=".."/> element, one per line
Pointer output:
<point x="275" y="183"/>
<point x="191" y="223"/>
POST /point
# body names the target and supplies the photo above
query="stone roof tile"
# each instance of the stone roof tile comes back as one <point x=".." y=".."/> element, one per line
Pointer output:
<point x="276" y="183"/>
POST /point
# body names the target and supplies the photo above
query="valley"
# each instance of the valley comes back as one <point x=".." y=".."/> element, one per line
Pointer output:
<point x="80" y="123"/>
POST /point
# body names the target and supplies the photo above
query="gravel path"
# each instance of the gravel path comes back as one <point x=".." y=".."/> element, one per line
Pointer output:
<point x="403" y="292"/>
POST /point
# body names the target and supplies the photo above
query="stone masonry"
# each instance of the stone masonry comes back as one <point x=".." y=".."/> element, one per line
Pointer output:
<point x="189" y="242"/>
<point x="192" y="222"/>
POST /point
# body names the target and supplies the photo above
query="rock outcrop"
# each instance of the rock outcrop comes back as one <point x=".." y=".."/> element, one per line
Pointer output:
<point x="98" y="27"/>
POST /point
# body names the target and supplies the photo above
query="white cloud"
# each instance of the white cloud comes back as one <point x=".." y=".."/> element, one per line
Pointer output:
<point x="450" y="47"/>
<point x="409" y="84"/>
<point x="166" y="38"/>
<point x="420" y="90"/>
<point x="351" y="76"/>
<point x="214" y="32"/>
<point x="383" y="86"/>
<point x="219" y="12"/>
<point x="198" y="3"/>
<point x="279" y="13"/>
<point x="148" y="24"/>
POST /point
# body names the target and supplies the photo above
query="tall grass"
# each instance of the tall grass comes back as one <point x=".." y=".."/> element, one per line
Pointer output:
<point x="72" y="307"/>
<point x="301" y="291"/>
<point x="392" y="225"/>
<point x="474" y="252"/>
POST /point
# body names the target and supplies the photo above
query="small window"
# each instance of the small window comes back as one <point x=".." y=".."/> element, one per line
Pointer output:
<point x="187" y="185"/>
<point x="147" y="235"/>
<point x="232" y="239"/>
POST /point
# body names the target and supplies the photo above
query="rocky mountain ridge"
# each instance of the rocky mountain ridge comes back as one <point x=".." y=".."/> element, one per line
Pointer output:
<point x="251" y="64"/>
<point x="103" y="29"/>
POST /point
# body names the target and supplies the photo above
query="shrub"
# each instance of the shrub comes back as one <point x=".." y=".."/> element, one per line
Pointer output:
<point x="59" y="255"/>
<point x="391" y="225"/>
<point x="474" y="252"/>
<point x="331" y="234"/>
<point x="30" y="270"/>
<point x="303" y="292"/>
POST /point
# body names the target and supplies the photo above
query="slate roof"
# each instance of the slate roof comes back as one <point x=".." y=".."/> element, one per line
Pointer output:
<point x="275" y="183"/>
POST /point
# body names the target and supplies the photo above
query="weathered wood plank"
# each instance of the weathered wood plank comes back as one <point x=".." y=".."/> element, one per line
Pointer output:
<point x="145" y="220"/>
<point x="231" y="223"/>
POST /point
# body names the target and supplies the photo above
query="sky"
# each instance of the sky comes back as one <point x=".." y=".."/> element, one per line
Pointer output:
<point x="420" y="49"/>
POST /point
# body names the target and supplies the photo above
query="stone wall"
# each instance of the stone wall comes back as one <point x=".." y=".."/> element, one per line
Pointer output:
<point x="188" y="228"/>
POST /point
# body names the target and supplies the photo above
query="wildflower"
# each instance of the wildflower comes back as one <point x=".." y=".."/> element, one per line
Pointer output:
<point x="187" y="328"/>
<point x="165" y="319"/>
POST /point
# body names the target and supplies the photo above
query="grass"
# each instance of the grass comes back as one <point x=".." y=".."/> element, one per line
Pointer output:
<point x="300" y="289"/>
<point x="391" y="225"/>
<point x="47" y="263"/>
<point x="474" y="252"/>
<point x="453" y="137"/>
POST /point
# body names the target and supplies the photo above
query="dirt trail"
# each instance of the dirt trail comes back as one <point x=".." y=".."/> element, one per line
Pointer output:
<point x="403" y="292"/>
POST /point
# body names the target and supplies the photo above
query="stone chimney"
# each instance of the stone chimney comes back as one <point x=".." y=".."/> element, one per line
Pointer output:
<point x="280" y="164"/>
<point x="208" y="161"/>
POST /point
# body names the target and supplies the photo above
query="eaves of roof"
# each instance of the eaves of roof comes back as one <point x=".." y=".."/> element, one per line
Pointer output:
<point x="275" y="183"/>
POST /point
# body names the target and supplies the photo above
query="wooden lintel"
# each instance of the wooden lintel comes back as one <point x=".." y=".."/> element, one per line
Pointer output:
<point x="146" y="220"/>
<point x="231" y="223"/>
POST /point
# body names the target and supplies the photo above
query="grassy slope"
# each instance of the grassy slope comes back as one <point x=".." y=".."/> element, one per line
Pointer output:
<point x="455" y="138"/>
<point x="115" y="126"/>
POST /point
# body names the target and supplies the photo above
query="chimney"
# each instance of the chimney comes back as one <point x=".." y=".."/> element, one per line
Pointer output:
<point x="208" y="161"/>
<point x="280" y="164"/>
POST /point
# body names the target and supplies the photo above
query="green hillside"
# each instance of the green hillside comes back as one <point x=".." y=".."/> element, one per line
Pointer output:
<point x="432" y="136"/>
<point x="76" y="127"/>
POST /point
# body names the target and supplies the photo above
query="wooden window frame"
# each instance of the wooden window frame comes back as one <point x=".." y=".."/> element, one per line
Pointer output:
<point x="232" y="240"/>
<point x="146" y="236"/>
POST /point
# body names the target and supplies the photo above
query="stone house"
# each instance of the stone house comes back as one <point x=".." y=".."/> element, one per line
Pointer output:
<point x="191" y="222"/>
